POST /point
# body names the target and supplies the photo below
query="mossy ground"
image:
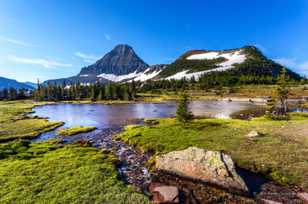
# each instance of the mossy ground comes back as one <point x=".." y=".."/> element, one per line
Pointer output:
<point x="280" y="152"/>
<point x="51" y="173"/>
<point x="75" y="130"/>
<point x="14" y="123"/>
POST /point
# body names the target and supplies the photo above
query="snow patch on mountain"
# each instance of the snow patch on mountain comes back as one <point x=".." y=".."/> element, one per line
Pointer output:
<point x="232" y="57"/>
<point x="147" y="74"/>
<point x="196" y="75"/>
<point x="136" y="76"/>
<point x="118" y="78"/>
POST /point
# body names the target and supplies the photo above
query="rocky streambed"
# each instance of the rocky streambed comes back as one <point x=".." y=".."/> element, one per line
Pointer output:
<point x="167" y="185"/>
<point x="132" y="165"/>
<point x="132" y="169"/>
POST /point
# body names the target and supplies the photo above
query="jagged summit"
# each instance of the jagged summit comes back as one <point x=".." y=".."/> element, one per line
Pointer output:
<point x="120" y="60"/>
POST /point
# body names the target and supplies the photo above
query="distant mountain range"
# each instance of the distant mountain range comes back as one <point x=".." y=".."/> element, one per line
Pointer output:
<point x="6" y="83"/>
<point x="122" y="64"/>
<point x="34" y="85"/>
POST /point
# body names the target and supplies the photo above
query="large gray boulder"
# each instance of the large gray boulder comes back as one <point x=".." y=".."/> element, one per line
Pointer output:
<point x="209" y="166"/>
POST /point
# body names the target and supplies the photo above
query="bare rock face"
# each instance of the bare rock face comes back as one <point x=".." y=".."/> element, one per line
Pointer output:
<point x="164" y="193"/>
<point x="209" y="166"/>
<point x="121" y="60"/>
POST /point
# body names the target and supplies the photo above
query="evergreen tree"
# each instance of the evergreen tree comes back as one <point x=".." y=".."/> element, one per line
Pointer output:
<point x="21" y="94"/>
<point x="5" y="94"/>
<point x="101" y="95"/>
<point x="125" y="93"/>
<point x="283" y="91"/>
<point x="108" y="90"/>
<point x="182" y="112"/>
<point x="12" y="94"/>
<point x="133" y="90"/>
<point x="270" y="105"/>
<point x="92" y="96"/>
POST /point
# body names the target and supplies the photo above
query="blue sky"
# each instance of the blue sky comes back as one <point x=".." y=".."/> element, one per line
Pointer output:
<point x="55" y="38"/>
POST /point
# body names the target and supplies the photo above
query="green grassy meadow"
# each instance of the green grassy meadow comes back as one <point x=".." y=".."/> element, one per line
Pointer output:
<point x="280" y="152"/>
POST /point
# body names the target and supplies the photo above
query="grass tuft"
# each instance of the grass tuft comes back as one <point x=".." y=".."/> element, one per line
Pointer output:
<point x="15" y="124"/>
<point x="75" y="130"/>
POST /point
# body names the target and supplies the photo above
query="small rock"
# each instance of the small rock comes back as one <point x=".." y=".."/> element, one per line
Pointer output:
<point x="163" y="193"/>
<point x="303" y="196"/>
<point x="252" y="133"/>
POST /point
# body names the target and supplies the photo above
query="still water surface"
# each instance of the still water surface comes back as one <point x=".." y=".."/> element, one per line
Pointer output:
<point x="110" y="119"/>
<point x="105" y="116"/>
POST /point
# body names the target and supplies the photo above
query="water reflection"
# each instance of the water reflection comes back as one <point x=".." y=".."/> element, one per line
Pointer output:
<point x="104" y="116"/>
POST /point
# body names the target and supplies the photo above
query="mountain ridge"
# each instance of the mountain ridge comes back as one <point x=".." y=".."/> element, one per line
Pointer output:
<point x="6" y="83"/>
<point x="246" y="60"/>
<point x="122" y="64"/>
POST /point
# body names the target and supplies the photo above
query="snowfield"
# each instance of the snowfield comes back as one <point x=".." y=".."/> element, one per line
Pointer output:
<point x="233" y="57"/>
<point x="197" y="75"/>
<point x="182" y="74"/>
<point x="140" y="76"/>
<point x="144" y="76"/>
<point x="118" y="78"/>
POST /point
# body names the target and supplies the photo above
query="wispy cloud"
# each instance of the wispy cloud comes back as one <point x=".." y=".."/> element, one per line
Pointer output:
<point x="86" y="57"/>
<point x="4" y="39"/>
<point x="4" y="73"/>
<point x="301" y="67"/>
<point x="288" y="62"/>
<point x="47" y="63"/>
<point x="107" y="36"/>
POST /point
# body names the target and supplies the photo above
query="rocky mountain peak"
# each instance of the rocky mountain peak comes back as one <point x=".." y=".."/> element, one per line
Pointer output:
<point x="121" y="60"/>
<point x="122" y="48"/>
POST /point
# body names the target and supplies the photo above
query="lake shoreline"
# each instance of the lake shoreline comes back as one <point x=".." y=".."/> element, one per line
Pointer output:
<point x="135" y="154"/>
<point x="157" y="100"/>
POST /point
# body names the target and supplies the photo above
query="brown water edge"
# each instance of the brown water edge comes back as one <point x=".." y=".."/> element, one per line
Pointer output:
<point x="197" y="192"/>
